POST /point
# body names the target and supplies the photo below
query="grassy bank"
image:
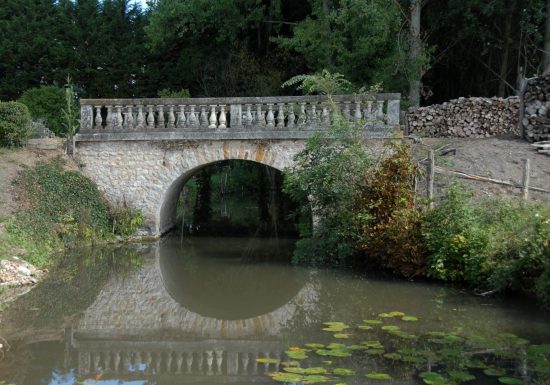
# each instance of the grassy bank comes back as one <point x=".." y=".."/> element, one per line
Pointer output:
<point x="59" y="208"/>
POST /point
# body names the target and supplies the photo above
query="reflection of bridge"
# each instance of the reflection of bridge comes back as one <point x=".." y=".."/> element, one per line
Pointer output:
<point x="142" y="151"/>
<point x="135" y="328"/>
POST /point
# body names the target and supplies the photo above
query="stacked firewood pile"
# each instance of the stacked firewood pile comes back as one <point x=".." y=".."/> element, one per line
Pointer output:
<point x="466" y="118"/>
<point x="536" y="115"/>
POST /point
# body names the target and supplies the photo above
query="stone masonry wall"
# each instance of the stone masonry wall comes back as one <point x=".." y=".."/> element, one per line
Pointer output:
<point x="149" y="175"/>
<point x="466" y="118"/>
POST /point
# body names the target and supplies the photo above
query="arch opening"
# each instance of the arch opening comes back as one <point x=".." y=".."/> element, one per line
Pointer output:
<point x="231" y="198"/>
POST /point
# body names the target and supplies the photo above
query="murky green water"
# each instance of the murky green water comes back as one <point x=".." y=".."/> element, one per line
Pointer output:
<point x="204" y="310"/>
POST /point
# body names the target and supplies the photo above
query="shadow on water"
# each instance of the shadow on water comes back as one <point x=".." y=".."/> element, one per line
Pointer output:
<point x="205" y="310"/>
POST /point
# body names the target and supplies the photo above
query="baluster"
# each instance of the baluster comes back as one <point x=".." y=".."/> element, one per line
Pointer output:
<point x="346" y="112"/>
<point x="368" y="112"/>
<point x="95" y="361"/>
<point x="281" y="116"/>
<point x="189" y="361"/>
<point x="180" y="121"/>
<point x="209" y="361"/>
<point x="254" y="362"/>
<point x="248" y="116"/>
<point x="171" y="118"/>
<point x="129" y="118"/>
<point x="192" y="117"/>
<point x="203" y="118"/>
<point x="312" y="118"/>
<point x="138" y="359"/>
<point x="169" y="362"/>
<point x="278" y="358"/>
<point x="200" y="361"/>
<point x="302" y="116"/>
<point x="266" y="364"/>
<point x="150" y="118"/>
<point x="83" y="363"/>
<point x="140" y="120"/>
<point x="260" y="121"/>
<point x="160" y="120"/>
<point x="223" y="118"/>
<point x="245" y="361"/>
<point x="219" y="361"/>
<point x="106" y="361"/>
<point x="179" y="362"/>
<point x="158" y="359"/>
<point x="270" y="118"/>
<point x="380" y="111"/>
<point x="116" y="361"/>
<point x="98" y="124"/>
<point x="291" y="116"/>
<point x="119" y="121"/>
<point x="325" y="116"/>
<point x="148" y="361"/>
<point x="357" y="113"/>
<point x="125" y="362"/>
<point x="109" y="119"/>
<point x="213" y="117"/>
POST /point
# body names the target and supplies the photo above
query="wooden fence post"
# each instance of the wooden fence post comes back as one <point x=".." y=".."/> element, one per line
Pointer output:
<point x="526" y="178"/>
<point x="430" y="178"/>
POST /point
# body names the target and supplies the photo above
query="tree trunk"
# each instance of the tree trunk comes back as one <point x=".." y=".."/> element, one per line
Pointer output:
<point x="546" y="57"/>
<point x="506" y="53"/>
<point x="414" y="30"/>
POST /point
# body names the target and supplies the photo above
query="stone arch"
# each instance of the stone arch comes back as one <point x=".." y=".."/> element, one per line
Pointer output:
<point x="278" y="155"/>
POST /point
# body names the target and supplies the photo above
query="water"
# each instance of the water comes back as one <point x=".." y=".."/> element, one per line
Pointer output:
<point x="204" y="310"/>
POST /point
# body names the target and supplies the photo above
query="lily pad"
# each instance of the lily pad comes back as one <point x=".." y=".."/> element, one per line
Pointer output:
<point x="409" y="318"/>
<point x="373" y="344"/>
<point x="390" y="327"/>
<point x="314" y="345"/>
<point x="375" y="352"/>
<point x="510" y="380"/>
<point x="314" y="379"/>
<point x="286" y="377"/>
<point x="460" y="376"/>
<point x="267" y="360"/>
<point x="296" y="354"/>
<point x="495" y="372"/>
<point x="342" y="335"/>
<point x="290" y="363"/>
<point x="343" y="372"/>
<point x="432" y="378"/>
<point x="364" y="327"/>
<point x="396" y="314"/>
<point x="384" y="315"/>
<point x="372" y="321"/>
<point x="294" y="370"/>
<point x="393" y="356"/>
<point x="379" y="376"/>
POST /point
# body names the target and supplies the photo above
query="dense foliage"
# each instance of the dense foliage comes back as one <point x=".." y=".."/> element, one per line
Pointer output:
<point x="114" y="48"/>
<point x="46" y="103"/>
<point x="15" y="124"/>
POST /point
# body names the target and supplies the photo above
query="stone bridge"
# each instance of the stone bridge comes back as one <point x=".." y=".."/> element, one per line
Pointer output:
<point x="142" y="151"/>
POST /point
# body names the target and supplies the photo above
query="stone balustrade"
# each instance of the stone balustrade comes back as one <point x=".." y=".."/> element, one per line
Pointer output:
<point x="248" y="114"/>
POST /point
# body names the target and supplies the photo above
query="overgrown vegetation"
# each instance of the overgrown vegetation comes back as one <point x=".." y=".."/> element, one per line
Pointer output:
<point x="61" y="208"/>
<point x="15" y="124"/>
<point x="46" y="103"/>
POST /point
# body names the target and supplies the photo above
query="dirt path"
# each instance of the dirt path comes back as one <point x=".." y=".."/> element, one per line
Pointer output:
<point x="494" y="158"/>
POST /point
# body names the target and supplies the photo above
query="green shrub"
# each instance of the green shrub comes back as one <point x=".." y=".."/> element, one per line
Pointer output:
<point x="126" y="220"/>
<point x="46" y="103"/>
<point x="15" y="124"/>
<point x="454" y="239"/>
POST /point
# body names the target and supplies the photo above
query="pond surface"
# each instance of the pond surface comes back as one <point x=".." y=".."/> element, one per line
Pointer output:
<point x="203" y="310"/>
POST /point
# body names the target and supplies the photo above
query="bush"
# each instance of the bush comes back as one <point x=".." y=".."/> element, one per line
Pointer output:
<point x="46" y="103"/>
<point x="15" y="124"/>
<point x="126" y="221"/>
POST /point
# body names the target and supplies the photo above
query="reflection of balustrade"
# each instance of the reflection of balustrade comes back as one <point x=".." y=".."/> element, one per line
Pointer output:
<point x="177" y="358"/>
<point x="236" y="114"/>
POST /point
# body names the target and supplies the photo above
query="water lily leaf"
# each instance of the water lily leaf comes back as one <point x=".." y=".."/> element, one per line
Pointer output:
<point x="495" y="372"/>
<point x="372" y="321"/>
<point x="384" y="315"/>
<point x="335" y="345"/>
<point x="437" y="334"/>
<point x="379" y="376"/>
<point x="541" y="350"/>
<point x="373" y="344"/>
<point x="396" y="314"/>
<point x="432" y="378"/>
<point x="333" y="352"/>
<point x="335" y="326"/>
<point x="375" y="352"/>
<point x="476" y="364"/>
<point x="343" y="372"/>
<point x="314" y="379"/>
<point x="413" y="359"/>
<point x="402" y="334"/>
<point x="286" y="377"/>
<point x="327" y="362"/>
<point x="290" y="363"/>
<point x="460" y="376"/>
<point x="393" y="356"/>
<point x="342" y="335"/>
<point x="390" y="327"/>
<point x="364" y="327"/>
<point x="314" y="345"/>
<point x="354" y="347"/>
<point x="296" y="354"/>
<point x="510" y="380"/>
<point x="267" y="360"/>
<point x="409" y="318"/>
<point x="450" y="352"/>
<point x="294" y="370"/>
<point x="315" y="370"/>
<point x="408" y="351"/>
